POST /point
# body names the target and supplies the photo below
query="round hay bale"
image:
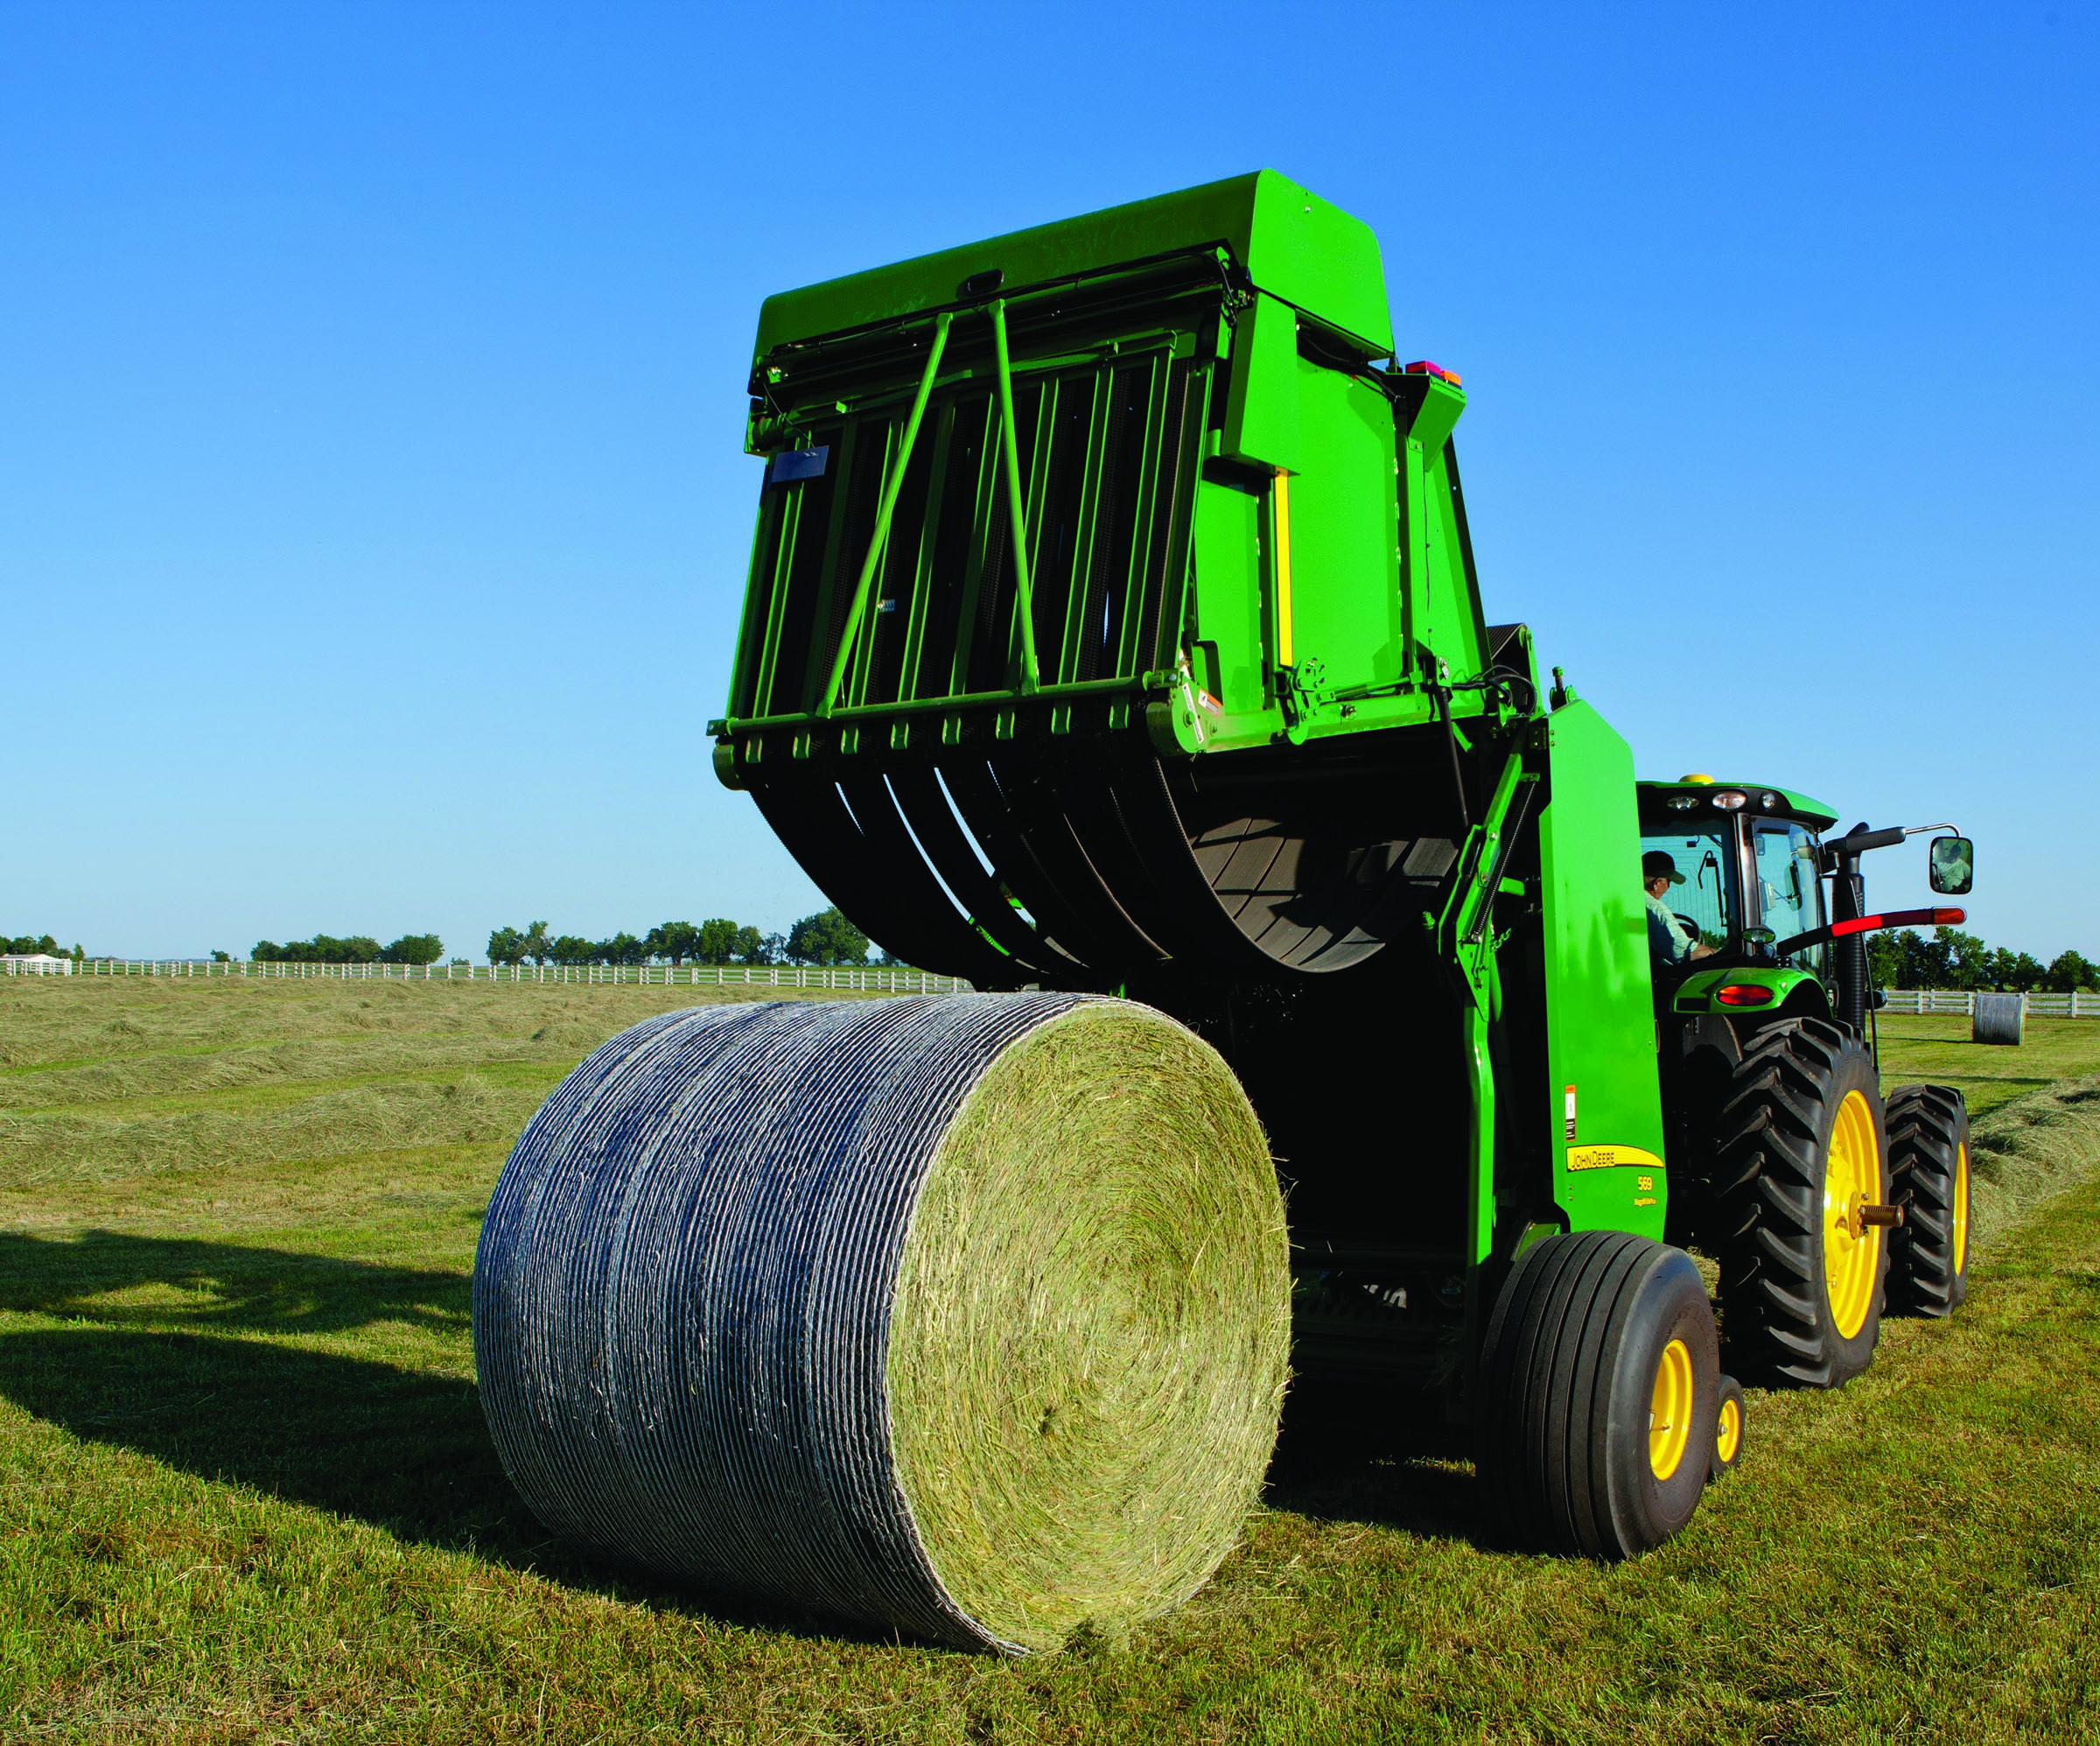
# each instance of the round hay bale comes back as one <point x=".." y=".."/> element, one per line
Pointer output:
<point x="967" y="1316"/>
<point x="1999" y="1017"/>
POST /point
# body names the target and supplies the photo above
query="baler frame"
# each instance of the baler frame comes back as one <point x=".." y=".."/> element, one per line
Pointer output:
<point x="1114" y="624"/>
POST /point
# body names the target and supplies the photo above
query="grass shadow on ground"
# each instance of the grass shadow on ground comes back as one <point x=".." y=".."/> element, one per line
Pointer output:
<point x="116" y="1279"/>
<point x="161" y="1356"/>
<point x="405" y="1451"/>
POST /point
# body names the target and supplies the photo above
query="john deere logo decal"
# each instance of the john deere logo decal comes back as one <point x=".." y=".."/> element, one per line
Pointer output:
<point x="1611" y="1158"/>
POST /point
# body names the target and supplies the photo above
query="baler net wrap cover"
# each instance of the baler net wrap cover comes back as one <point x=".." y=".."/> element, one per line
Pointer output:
<point x="967" y="1316"/>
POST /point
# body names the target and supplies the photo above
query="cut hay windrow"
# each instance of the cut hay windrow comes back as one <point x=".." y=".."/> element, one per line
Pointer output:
<point x="967" y="1316"/>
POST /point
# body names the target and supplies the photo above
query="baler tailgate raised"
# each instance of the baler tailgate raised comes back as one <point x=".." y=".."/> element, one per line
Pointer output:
<point x="1111" y="460"/>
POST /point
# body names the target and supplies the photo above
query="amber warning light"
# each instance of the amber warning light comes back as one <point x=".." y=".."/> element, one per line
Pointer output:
<point x="1423" y="367"/>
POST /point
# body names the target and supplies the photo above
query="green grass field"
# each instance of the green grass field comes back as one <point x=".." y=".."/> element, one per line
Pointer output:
<point x="246" y="1492"/>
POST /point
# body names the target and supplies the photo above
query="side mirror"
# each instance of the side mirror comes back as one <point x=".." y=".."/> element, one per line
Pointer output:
<point x="1759" y="936"/>
<point x="1953" y="868"/>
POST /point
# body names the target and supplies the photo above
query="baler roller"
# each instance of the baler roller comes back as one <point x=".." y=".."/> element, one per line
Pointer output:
<point x="1021" y="867"/>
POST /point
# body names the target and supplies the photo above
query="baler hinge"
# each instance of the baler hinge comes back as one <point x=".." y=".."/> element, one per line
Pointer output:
<point x="1290" y="695"/>
<point x="1511" y="827"/>
<point x="1469" y="909"/>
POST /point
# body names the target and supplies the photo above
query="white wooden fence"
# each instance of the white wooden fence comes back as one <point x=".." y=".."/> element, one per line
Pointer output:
<point x="2083" y="1005"/>
<point x="869" y="979"/>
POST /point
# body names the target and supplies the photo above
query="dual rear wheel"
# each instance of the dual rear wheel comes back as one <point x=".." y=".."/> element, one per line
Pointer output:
<point x="1928" y="1170"/>
<point x="1604" y="1409"/>
<point x="1728" y="1429"/>
<point x="1801" y="1208"/>
<point x="1831" y="1209"/>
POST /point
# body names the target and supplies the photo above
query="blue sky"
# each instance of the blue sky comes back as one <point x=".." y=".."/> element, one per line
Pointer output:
<point x="372" y="515"/>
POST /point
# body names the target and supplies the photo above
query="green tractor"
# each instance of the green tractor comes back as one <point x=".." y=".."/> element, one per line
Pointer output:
<point x="1112" y="625"/>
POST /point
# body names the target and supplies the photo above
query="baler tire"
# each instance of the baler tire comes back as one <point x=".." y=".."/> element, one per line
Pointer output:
<point x="1801" y="1144"/>
<point x="1600" y="1370"/>
<point x="1928" y="1174"/>
<point x="1729" y="1418"/>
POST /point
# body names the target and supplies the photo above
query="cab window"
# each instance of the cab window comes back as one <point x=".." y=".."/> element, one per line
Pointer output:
<point x="1704" y="861"/>
<point x="1789" y="896"/>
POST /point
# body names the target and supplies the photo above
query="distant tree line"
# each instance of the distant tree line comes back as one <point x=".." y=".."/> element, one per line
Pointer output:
<point x="826" y="938"/>
<point x="356" y="949"/>
<point x="1905" y="958"/>
<point x="28" y="945"/>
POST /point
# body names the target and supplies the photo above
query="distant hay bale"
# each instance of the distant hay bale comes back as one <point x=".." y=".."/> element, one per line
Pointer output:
<point x="967" y="1315"/>
<point x="1998" y="1018"/>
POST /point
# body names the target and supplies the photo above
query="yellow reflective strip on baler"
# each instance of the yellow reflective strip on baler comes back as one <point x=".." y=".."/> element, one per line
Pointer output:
<point x="1282" y="568"/>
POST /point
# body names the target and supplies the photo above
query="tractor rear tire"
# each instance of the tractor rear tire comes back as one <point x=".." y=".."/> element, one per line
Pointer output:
<point x="1929" y="1173"/>
<point x="1601" y="1380"/>
<point x="1802" y="1151"/>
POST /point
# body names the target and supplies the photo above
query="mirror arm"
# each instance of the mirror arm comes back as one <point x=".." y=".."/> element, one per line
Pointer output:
<point x="1857" y="841"/>
<point x="1852" y="847"/>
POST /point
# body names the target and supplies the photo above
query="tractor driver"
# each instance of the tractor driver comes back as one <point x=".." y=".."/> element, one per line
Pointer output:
<point x="1668" y="942"/>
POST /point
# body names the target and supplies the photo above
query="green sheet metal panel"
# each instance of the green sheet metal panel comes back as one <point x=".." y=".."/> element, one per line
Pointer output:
<point x="1448" y="624"/>
<point x="1381" y="583"/>
<point x="1260" y="411"/>
<point x="1231" y="608"/>
<point x="1605" y="1103"/>
<point x="1291" y="244"/>
<point x="1696" y="993"/>
<point x="1348" y="613"/>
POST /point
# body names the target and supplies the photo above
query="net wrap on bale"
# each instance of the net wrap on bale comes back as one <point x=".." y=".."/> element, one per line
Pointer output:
<point x="1998" y="1018"/>
<point x="967" y="1316"/>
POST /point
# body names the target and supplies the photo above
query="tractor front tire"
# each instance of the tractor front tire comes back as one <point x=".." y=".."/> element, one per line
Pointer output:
<point x="1928" y="1177"/>
<point x="1801" y="1166"/>
<point x="1600" y="1381"/>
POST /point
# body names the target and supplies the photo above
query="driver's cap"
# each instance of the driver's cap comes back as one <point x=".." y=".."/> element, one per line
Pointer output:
<point x="1655" y="864"/>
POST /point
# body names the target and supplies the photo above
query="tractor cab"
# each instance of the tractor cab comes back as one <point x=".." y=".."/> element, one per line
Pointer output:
<point x="1762" y="938"/>
<point x="1763" y="915"/>
<point x="1745" y="896"/>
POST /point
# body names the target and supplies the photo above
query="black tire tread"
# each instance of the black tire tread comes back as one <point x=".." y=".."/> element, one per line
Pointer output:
<point x="1927" y="1124"/>
<point x="1767" y="1193"/>
<point x="1547" y="1378"/>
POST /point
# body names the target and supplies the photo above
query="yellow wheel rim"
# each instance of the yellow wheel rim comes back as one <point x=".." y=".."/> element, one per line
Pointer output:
<point x="1728" y="1436"/>
<point x="1669" y="1411"/>
<point x="1961" y="1209"/>
<point x="1851" y="1182"/>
